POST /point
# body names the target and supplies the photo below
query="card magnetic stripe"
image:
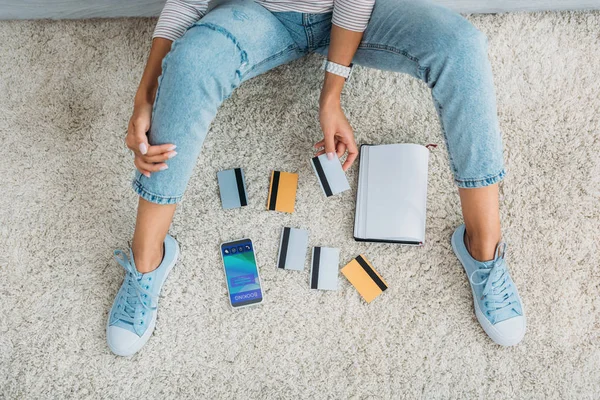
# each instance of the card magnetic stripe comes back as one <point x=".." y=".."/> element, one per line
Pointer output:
<point x="322" y="177"/>
<point x="240" y="186"/>
<point x="274" y="189"/>
<point x="284" y="247"/>
<point x="314" y="281"/>
<point x="361" y="261"/>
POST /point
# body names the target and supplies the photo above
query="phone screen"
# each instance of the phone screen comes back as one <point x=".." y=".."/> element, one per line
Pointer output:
<point x="241" y="273"/>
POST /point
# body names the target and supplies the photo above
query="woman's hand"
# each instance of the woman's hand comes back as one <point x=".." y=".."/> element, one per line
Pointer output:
<point x="148" y="158"/>
<point x="338" y="134"/>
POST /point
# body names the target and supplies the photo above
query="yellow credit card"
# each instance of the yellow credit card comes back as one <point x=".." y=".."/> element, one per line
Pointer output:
<point x="282" y="191"/>
<point x="364" y="278"/>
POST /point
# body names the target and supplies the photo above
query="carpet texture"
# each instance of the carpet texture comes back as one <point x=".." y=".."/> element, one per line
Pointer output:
<point x="66" y="91"/>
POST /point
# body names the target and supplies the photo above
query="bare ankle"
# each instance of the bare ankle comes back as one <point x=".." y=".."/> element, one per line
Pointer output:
<point x="481" y="248"/>
<point x="147" y="259"/>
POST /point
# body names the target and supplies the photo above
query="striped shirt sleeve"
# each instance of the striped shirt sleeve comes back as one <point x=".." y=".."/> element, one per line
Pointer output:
<point x="353" y="15"/>
<point x="177" y="16"/>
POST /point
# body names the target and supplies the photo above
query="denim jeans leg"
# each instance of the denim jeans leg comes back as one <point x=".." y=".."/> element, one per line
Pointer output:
<point x="449" y="54"/>
<point x="234" y="41"/>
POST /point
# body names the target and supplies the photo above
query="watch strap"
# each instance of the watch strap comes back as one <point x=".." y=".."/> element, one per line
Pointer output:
<point x="338" y="69"/>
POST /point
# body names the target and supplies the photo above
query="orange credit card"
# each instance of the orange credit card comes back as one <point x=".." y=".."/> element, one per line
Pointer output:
<point x="282" y="191"/>
<point x="364" y="278"/>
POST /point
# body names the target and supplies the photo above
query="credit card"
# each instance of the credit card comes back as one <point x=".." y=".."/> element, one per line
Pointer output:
<point x="292" y="249"/>
<point x="232" y="188"/>
<point x="330" y="174"/>
<point x="282" y="191"/>
<point x="364" y="278"/>
<point x="324" y="268"/>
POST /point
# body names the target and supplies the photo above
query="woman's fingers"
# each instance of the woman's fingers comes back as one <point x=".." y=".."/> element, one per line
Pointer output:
<point x="137" y="141"/>
<point x="352" y="151"/>
<point x="321" y="149"/>
<point x="141" y="124"/>
<point x="142" y="171"/>
<point x="349" y="160"/>
<point x="159" y="149"/>
<point x="158" y="158"/>
<point x="342" y="142"/>
<point x="147" y="158"/>
<point x="149" y="167"/>
<point x="340" y="148"/>
<point x="137" y="144"/>
<point x="153" y="160"/>
<point x="130" y="141"/>
<point x="330" y="144"/>
<point x="139" y="165"/>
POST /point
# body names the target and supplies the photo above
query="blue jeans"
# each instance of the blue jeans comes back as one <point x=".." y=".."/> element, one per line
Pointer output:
<point x="240" y="39"/>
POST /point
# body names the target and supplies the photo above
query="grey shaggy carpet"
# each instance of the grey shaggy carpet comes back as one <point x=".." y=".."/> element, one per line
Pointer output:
<point x="66" y="92"/>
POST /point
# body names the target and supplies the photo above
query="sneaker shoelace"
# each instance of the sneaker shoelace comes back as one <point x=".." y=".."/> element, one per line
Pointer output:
<point x="498" y="293"/>
<point x="133" y="294"/>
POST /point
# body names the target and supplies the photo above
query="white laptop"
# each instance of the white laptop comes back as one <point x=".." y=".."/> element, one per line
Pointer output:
<point x="391" y="198"/>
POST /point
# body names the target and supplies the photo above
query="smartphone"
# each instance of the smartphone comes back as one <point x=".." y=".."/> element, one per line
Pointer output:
<point x="241" y="272"/>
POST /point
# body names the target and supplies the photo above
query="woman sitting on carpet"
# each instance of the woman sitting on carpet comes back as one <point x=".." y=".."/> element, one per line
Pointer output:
<point x="202" y="52"/>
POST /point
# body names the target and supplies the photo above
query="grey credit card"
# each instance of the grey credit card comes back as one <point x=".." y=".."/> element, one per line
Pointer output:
<point x="292" y="249"/>
<point x="330" y="174"/>
<point x="232" y="188"/>
<point x="324" y="269"/>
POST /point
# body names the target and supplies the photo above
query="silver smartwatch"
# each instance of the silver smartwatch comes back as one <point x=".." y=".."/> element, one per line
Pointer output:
<point x="338" y="69"/>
